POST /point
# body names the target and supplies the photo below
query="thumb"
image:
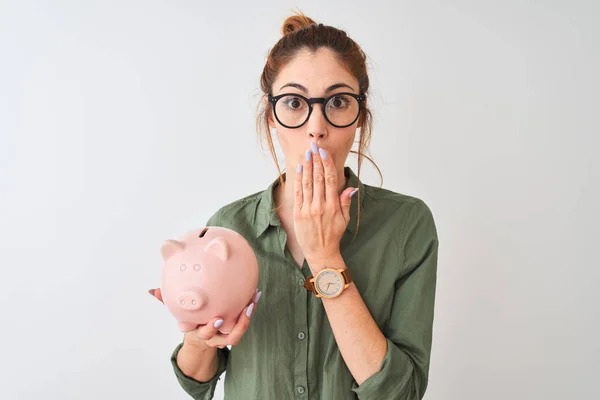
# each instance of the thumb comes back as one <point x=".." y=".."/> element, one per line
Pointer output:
<point x="156" y="293"/>
<point x="346" y="201"/>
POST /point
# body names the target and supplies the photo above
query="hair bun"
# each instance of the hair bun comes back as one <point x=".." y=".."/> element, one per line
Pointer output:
<point x="295" y="23"/>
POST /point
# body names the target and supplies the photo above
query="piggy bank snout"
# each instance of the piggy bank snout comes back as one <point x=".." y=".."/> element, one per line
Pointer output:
<point x="191" y="300"/>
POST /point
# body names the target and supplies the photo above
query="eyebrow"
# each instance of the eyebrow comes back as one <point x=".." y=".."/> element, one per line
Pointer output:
<point x="329" y="89"/>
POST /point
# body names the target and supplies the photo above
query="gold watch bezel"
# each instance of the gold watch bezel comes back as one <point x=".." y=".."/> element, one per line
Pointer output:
<point x="311" y="282"/>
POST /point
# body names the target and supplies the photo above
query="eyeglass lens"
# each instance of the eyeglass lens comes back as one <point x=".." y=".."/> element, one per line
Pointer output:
<point x="340" y="110"/>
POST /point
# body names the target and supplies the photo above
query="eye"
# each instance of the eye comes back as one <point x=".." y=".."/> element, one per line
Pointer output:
<point x="338" y="102"/>
<point x="197" y="267"/>
<point x="182" y="267"/>
<point x="293" y="103"/>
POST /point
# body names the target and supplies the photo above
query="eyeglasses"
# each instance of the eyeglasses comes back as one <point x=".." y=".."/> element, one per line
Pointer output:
<point x="340" y="110"/>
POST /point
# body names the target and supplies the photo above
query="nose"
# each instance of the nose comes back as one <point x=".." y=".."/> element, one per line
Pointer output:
<point x="191" y="301"/>
<point x="316" y="126"/>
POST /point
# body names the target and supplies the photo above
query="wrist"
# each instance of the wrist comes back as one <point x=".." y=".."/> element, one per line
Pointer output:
<point x="195" y="344"/>
<point x="198" y="363"/>
<point x="316" y="263"/>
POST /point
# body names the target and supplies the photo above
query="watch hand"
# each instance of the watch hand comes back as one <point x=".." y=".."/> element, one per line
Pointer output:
<point x="328" y="285"/>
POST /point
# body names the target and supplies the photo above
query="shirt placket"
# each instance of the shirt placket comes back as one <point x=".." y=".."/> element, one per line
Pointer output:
<point x="301" y="324"/>
<point x="300" y="340"/>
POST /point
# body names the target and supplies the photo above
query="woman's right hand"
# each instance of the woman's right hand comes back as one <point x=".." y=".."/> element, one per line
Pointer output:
<point x="206" y="336"/>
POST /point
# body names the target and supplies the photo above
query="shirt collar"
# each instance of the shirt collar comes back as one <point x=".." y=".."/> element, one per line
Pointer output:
<point x="266" y="214"/>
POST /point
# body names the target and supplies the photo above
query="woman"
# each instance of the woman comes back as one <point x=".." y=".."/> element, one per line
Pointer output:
<point x="363" y="329"/>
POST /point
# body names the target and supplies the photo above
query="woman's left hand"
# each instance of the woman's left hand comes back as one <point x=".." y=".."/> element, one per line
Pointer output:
<point x="320" y="214"/>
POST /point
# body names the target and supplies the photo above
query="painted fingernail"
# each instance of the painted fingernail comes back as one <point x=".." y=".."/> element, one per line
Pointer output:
<point x="218" y="323"/>
<point x="257" y="297"/>
<point x="323" y="154"/>
<point x="249" y="311"/>
<point x="308" y="155"/>
<point x="353" y="192"/>
<point x="314" y="147"/>
<point x="299" y="168"/>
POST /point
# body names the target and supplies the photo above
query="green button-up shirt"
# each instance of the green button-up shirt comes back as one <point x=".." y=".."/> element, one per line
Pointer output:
<point x="289" y="351"/>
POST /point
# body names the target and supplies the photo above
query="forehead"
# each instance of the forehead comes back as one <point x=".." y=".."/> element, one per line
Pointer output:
<point x="316" y="71"/>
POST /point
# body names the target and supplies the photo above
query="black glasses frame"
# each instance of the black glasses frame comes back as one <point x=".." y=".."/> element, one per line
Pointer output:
<point x="323" y="101"/>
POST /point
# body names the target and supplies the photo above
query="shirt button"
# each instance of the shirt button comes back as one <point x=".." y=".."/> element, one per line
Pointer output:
<point x="301" y="282"/>
<point x="301" y="336"/>
<point x="300" y="390"/>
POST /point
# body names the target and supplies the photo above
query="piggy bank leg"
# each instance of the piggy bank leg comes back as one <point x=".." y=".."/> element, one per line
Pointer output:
<point x="186" y="326"/>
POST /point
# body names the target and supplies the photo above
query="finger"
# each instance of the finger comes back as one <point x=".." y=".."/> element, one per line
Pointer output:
<point x="346" y="201"/>
<point x="241" y="326"/>
<point x="257" y="298"/>
<point x="238" y="330"/>
<point x="254" y="299"/>
<point x="331" y="178"/>
<point x="307" y="180"/>
<point x="208" y="331"/>
<point x="157" y="294"/>
<point x="318" y="177"/>
<point x="298" y="198"/>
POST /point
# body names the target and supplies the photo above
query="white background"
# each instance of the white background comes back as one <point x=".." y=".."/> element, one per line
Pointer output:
<point x="124" y="123"/>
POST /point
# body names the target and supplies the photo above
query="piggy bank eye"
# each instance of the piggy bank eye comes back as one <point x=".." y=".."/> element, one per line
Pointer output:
<point x="197" y="267"/>
<point x="182" y="267"/>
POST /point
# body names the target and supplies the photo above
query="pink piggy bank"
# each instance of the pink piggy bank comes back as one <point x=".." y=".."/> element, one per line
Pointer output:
<point x="211" y="272"/>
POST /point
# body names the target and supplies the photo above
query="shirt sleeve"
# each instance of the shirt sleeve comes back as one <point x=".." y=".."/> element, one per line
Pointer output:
<point x="196" y="389"/>
<point x="405" y="368"/>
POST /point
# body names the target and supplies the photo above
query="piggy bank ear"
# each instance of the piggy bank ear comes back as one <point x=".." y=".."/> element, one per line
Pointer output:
<point x="171" y="247"/>
<point x="219" y="247"/>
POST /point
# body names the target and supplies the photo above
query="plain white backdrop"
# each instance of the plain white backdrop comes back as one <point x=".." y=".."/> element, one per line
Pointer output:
<point x="125" y="123"/>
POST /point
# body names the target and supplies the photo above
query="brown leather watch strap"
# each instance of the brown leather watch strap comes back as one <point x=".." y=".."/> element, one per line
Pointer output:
<point x="309" y="284"/>
<point x="346" y="275"/>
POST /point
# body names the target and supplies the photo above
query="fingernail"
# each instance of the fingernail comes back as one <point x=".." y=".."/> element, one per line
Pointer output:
<point x="314" y="147"/>
<point x="218" y="323"/>
<point x="353" y="192"/>
<point x="323" y="154"/>
<point x="257" y="297"/>
<point x="249" y="311"/>
<point x="308" y="155"/>
<point x="299" y="168"/>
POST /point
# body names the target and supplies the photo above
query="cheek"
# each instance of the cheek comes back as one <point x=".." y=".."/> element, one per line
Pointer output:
<point x="350" y="136"/>
<point x="288" y="140"/>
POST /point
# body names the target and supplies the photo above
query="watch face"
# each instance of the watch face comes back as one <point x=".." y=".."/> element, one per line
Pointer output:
<point x="329" y="283"/>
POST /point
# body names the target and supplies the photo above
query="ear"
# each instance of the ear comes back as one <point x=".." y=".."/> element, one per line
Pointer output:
<point x="218" y="247"/>
<point x="171" y="247"/>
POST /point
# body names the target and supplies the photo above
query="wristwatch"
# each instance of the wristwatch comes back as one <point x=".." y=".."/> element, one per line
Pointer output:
<point x="329" y="282"/>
